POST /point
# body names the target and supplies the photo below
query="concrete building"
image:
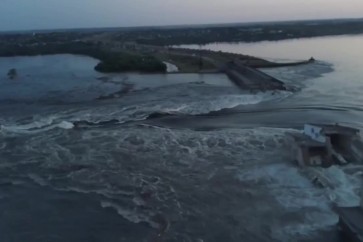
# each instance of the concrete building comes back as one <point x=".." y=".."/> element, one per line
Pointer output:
<point x="312" y="153"/>
<point x="325" y="145"/>
<point x="338" y="135"/>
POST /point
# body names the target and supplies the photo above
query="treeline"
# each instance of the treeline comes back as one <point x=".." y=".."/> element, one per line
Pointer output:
<point x="127" y="62"/>
<point x="110" y="61"/>
<point x="242" y="33"/>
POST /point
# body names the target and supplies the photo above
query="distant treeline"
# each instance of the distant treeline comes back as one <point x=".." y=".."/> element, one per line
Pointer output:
<point x="110" y="61"/>
<point x="242" y="33"/>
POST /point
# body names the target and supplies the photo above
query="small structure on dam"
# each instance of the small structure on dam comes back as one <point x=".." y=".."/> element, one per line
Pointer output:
<point x="326" y="145"/>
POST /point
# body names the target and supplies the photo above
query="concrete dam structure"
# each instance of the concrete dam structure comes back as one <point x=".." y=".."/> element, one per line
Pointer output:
<point x="248" y="78"/>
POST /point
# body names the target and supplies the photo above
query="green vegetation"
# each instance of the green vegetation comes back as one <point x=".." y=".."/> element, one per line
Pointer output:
<point x="139" y="49"/>
<point x="128" y="62"/>
<point x="110" y="61"/>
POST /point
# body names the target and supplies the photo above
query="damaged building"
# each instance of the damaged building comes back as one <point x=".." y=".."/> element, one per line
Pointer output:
<point x="326" y="145"/>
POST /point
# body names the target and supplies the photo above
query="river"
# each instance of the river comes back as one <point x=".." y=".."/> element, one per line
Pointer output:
<point x="332" y="97"/>
<point x="179" y="157"/>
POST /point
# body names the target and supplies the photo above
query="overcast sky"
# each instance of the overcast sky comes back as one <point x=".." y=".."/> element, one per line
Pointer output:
<point x="49" y="14"/>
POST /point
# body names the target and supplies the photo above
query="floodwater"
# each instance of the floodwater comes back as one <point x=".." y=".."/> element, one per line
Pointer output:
<point x="180" y="157"/>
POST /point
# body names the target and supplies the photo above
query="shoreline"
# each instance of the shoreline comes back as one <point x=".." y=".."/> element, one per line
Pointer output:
<point x="125" y="57"/>
<point x="242" y="70"/>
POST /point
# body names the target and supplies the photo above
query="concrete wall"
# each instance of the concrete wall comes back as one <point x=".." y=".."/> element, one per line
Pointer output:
<point x="314" y="132"/>
<point x="304" y="158"/>
<point x="300" y="156"/>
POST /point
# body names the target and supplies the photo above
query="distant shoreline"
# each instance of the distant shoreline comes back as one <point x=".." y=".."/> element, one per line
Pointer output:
<point x="147" y="51"/>
<point x="178" y="26"/>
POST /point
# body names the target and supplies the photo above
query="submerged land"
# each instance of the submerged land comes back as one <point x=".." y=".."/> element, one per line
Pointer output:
<point x="147" y="49"/>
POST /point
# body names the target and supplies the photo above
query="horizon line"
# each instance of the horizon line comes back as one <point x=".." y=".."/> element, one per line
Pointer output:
<point x="175" y="26"/>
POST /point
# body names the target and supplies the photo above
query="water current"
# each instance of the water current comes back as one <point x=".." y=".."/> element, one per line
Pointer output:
<point x="178" y="157"/>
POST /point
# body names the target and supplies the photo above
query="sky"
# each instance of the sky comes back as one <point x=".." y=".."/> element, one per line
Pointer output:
<point x="54" y="14"/>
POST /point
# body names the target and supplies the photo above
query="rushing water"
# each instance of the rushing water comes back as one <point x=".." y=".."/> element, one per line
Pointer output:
<point x="92" y="157"/>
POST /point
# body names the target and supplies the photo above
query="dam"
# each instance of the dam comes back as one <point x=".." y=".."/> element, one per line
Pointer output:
<point x="248" y="78"/>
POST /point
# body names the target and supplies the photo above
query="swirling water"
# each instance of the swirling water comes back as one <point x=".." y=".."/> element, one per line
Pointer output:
<point x="179" y="157"/>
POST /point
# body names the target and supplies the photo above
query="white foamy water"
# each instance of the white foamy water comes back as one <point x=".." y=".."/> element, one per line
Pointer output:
<point x="230" y="184"/>
<point x="260" y="166"/>
<point x="228" y="101"/>
<point x="252" y="173"/>
<point x="132" y="216"/>
<point x="193" y="105"/>
<point x="288" y="185"/>
<point x="44" y="124"/>
<point x="171" y="67"/>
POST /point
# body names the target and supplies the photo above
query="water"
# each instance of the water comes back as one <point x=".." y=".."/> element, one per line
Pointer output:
<point x="92" y="157"/>
<point x="333" y="97"/>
